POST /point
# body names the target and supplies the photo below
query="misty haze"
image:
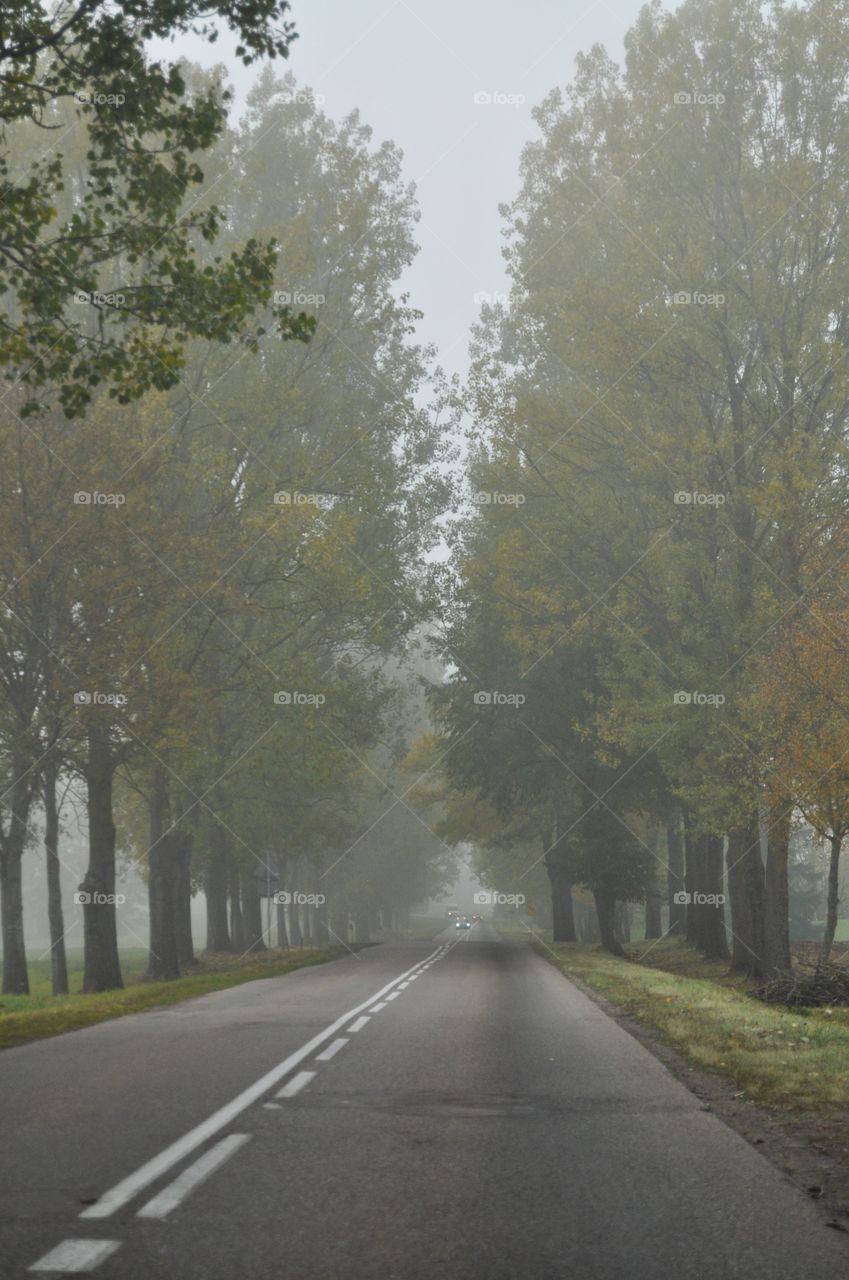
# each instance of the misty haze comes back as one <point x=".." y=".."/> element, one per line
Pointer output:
<point x="424" y="640"/>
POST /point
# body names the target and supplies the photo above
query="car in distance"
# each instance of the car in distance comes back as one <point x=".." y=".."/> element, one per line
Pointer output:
<point x="463" y="923"/>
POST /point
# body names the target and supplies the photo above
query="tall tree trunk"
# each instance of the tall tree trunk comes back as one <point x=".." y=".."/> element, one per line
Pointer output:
<point x="654" y="922"/>
<point x="296" y="934"/>
<point x="562" y="906"/>
<point x="588" y="923"/>
<point x="102" y="968"/>
<point x="675" y="875"/>
<point x="833" y="901"/>
<point x="282" y="930"/>
<point x="746" y="893"/>
<point x="252" y="912"/>
<point x="163" y="964"/>
<point x="605" y="907"/>
<point x="215" y="887"/>
<point x="15" y="976"/>
<point x="183" y="899"/>
<point x="777" y="892"/>
<point x="712" y="930"/>
<point x="237" y="915"/>
<point x="695" y="847"/>
<point x="322" y="918"/>
<point x="55" y="914"/>
<point x="622" y="921"/>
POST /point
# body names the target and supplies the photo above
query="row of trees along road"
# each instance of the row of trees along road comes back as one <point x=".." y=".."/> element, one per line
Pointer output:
<point x="211" y="532"/>
<point x="656" y="559"/>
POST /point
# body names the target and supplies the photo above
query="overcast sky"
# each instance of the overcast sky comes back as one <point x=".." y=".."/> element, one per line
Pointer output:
<point x="414" y="69"/>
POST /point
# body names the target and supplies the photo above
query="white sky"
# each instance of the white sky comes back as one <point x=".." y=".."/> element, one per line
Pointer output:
<point x="413" y="69"/>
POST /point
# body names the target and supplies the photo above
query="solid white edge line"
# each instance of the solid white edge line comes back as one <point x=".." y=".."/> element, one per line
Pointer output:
<point x="359" y="1024"/>
<point x="177" y="1191"/>
<point x="332" y="1049"/>
<point x="147" y="1173"/>
<point x="76" y="1255"/>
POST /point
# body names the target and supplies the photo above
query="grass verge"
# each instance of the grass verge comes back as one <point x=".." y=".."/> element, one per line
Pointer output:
<point x="789" y="1059"/>
<point x="38" y="1015"/>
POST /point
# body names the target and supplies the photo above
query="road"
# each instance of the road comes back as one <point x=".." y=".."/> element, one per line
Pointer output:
<point x="419" y="1111"/>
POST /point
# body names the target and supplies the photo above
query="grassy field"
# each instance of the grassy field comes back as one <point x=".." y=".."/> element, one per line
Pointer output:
<point x="791" y="1059"/>
<point x="40" y="1014"/>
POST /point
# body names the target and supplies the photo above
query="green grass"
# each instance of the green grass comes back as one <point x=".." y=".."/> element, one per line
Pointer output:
<point x="790" y="1059"/>
<point x="40" y="1014"/>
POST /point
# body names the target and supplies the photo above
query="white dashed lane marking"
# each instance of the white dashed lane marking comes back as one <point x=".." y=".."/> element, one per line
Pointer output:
<point x="332" y="1050"/>
<point x="76" y="1255"/>
<point x="296" y="1084"/>
<point x="124" y="1191"/>
<point x="177" y="1191"/>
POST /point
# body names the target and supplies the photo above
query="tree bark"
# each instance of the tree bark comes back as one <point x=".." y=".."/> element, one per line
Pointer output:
<point x="215" y="888"/>
<point x="746" y="893"/>
<point x="622" y="921"/>
<point x="562" y="906"/>
<point x="654" y="922"/>
<point x="675" y="875"/>
<point x="55" y="914"/>
<point x="293" y="870"/>
<point x="163" y="964"/>
<point x="102" y="968"/>
<point x="833" y="900"/>
<point x="605" y="907"/>
<point x="237" y="915"/>
<point x="15" y="976"/>
<point x="282" y="929"/>
<point x="183" y="899"/>
<point x="252" y="913"/>
<point x="694" y="870"/>
<point x="777" y="893"/>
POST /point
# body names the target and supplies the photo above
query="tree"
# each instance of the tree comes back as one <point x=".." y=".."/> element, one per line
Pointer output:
<point x="101" y="273"/>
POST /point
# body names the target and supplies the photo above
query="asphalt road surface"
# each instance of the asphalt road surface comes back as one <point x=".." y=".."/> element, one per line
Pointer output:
<point x="421" y="1111"/>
